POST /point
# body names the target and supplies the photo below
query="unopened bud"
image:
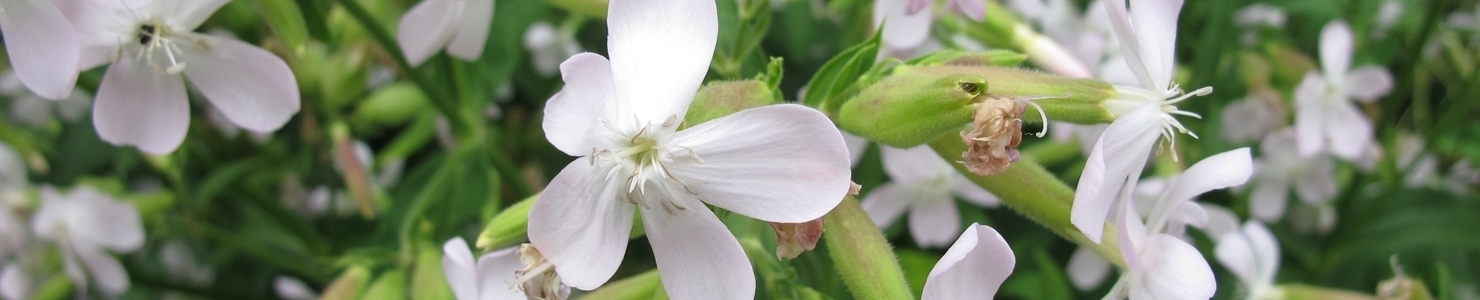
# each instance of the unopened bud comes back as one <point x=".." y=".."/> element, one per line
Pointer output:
<point x="794" y="238"/>
<point x="538" y="279"/>
<point x="996" y="131"/>
<point x="905" y="110"/>
<point x="722" y="98"/>
<point x="508" y="226"/>
<point x="392" y="105"/>
<point x="951" y="57"/>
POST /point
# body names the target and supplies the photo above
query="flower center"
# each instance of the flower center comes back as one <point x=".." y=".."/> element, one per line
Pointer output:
<point x="643" y="157"/>
<point x="154" y="38"/>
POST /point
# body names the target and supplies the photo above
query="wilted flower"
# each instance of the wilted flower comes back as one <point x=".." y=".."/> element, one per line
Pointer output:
<point x="1325" y="117"/>
<point x="794" y="238"/>
<point x="924" y="184"/>
<point x="42" y="46"/>
<point x="141" y="100"/>
<point x="996" y="131"/>
<point x="973" y="268"/>
<point x="86" y="224"/>
<point x="460" y="26"/>
<point x="778" y="163"/>
<point x="1253" y="255"/>
<point x="1280" y="168"/>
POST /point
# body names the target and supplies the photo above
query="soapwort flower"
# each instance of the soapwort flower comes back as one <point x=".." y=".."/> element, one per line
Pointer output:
<point x="973" y="268"/>
<point x="923" y="183"/>
<point x="1143" y="113"/>
<point x="1325" y="117"/>
<point x="460" y="26"/>
<point x="42" y="46"/>
<point x="779" y="163"/>
<point x="86" y="224"/>
<point x="908" y="21"/>
<point x="1280" y="168"/>
<point x="1252" y="255"/>
<point x="142" y="101"/>
<point x="491" y="275"/>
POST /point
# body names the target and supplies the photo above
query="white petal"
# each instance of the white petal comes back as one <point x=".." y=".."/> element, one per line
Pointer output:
<point x="292" y="289"/>
<point x="108" y="273"/>
<point x="1336" y="48"/>
<point x="99" y="219"/>
<point x="43" y="48"/>
<point x="1266" y="248"/>
<point x="1221" y="220"/>
<point x="1251" y="253"/>
<point x="886" y="203"/>
<point x="15" y="283"/>
<point x="780" y="163"/>
<point x="581" y="226"/>
<point x="1155" y="24"/>
<point x="253" y="87"/>
<point x="459" y="269"/>
<point x="1366" y="84"/>
<point x="1178" y="272"/>
<point x="697" y="256"/>
<point x="1130" y="44"/>
<point x="1222" y="170"/>
<point x="914" y="164"/>
<point x="184" y="15"/>
<point x="467" y="44"/>
<point x="1115" y="163"/>
<point x="973" y="268"/>
<point x="933" y="222"/>
<point x="1317" y="184"/>
<point x="1087" y="269"/>
<point x="496" y="270"/>
<point x="974" y="193"/>
<point x="856" y="146"/>
<point x="575" y="111"/>
<point x="1309" y="114"/>
<point x="425" y="29"/>
<point x="660" y="52"/>
<point x="902" y="30"/>
<point x="1267" y="201"/>
<point x="140" y="107"/>
<point x="1348" y="129"/>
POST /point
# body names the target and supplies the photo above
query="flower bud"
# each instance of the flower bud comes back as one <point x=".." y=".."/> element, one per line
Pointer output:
<point x="427" y="280"/>
<point x="1074" y="100"/>
<point x="905" y="110"/>
<point x="392" y="105"/>
<point x="390" y="285"/>
<point x="794" y="238"/>
<point x="348" y="285"/>
<point x="722" y="98"/>
<point x="952" y="57"/>
<point x="996" y="131"/>
<point x="286" y="21"/>
<point x="508" y="226"/>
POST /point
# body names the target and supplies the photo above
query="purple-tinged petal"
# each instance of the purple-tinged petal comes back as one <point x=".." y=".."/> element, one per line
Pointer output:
<point x="973" y="268"/>
<point x="697" y="257"/>
<point x="472" y="32"/>
<point x="974" y="9"/>
<point x="43" y="48"/>
<point x="577" y="109"/>
<point x="933" y="222"/>
<point x="425" y="29"/>
<point x="252" y="87"/>
<point x="660" y="51"/>
<point x="581" y="225"/>
<point x="780" y="163"/>
<point x="139" y="106"/>
<point x="184" y="15"/>
<point x="887" y="202"/>
<point x="902" y="29"/>
<point x="1336" y="49"/>
<point x="459" y="269"/>
<point x="1366" y="84"/>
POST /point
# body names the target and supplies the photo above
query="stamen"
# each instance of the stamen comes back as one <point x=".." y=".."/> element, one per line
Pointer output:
<point x="527" y="275"/>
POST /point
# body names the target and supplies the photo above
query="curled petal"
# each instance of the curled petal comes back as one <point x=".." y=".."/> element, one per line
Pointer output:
<point x="581" y="226"/>
<point x="697" y="256"/>
<point x="141" y="107"/>
<point x="472" y="31"/>
<point x="252" y="87"/>
<point x="1336" y="48"/>
<point x="973" y="268"/>
<point x="791" y="163"/>
<point x="1115" y="163"/>
<point x="43" y="48"/>
<point x="425" y="28"/>
<point x="660" y="51"/>
<point x="1215" y="172"/>
<point x="572" y="113"/>
<point x="1366" y="84"/>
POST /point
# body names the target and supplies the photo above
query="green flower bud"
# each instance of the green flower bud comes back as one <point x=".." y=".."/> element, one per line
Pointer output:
<point x="427" y="281"/>
<point x="392" y="105"/>
<point x="508" y="227"/>
<point x="722" y="98"/>
<point x="391" y="285"/>
<point x="342" y="77"/>
<point x="286" y="21"/>
<point x="642" y="286"/>
<point x="1073" y="100"/>
<point x="909" y="109"/>
<point x="348" y="285"/>
<point x="999" y="58"/>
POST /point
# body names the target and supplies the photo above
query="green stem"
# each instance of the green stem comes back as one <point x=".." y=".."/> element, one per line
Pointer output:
<point x="1034" y="192"/>
<point x="863" y="258"/>
<point x="444" y="103"/>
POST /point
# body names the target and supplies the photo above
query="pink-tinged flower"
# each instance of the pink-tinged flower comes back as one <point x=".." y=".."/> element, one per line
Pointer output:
<point x="87" y="224"/>
<point x="927" y="186"/>
<point x="488" y="278"/>
<point x="1252" y="255"/>
<point x="780" y="163"/>
<point x="42" y="46"/>
<point x="1143" y="113"/>
<point x="31" y="109"/>
<point x="460" y="26"/>
<point x="142" y="101"/>
<point x="1280" y="168"/>
<point x="973" y="268"/>
<point x="1160" y="265"/>
<point x="906" y="23"/>
<point x="1325" y="117"/>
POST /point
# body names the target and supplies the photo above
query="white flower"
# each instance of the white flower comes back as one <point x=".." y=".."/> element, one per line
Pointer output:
<point x="1068" y="41"/>
<point x="1325" y="117"/>
<point x="23" y="275"/>
<point x="42" y="47"/>
<point x="1279" y="168"/>
<point x="180" y="262"/>
<point x="489" y="277"/>
<point x="1143" y="113"/>
<point x="460" y="26"/>
<point x="1251" y="118"/>
<point x="34" y="110"/>
<point x="142" y="101"/>
<point x="1160" y="265"/>
<point x="86" y="224"/>
<point x="1387" y="16"/>
<point x="923" y="183"/>
<point x="908" y="21"/>
<point x="973" y="268"/>
<point x="781" y="163"/>
<point x="1260" y="14"/>
<point x="1252" y="255"/>
<point x="292" y="289"/>
<point x="548" y="46"/>
<point x="1086" y="269"/>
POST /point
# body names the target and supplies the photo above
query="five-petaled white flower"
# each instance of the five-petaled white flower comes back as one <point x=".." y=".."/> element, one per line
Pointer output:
<point x="1143" y="113"/>
<point x="460" y="26"/>
<point x="42" y="46"/>
<point x="781" y="163"/>
<point x="1253" y="255"/>
<point x="1279" y="168"/>
<point x="1324" y="113"/>
<point x="923" y="183"/>
<point x="1160" y="265"/>
<point x="973" y="268"/>
<point x="86" y="223"/>
<point x="142" y="101"/>
<point x="1086" y="269"/>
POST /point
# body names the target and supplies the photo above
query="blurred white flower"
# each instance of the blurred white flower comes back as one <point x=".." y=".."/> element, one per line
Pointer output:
<point x="1387" y="16"/>
<point x="142" y="101"/>
<point x="1419" y="168"/>
<point x="1160" y="265"/>
<point x="1143" y="113"/>
<point x="460" y="26"/>
<point x="1260" y="14"/>
<point x="973" y="268"/>
<point x="782" y="163"/>
<point x="41" y="45"/>
<point x="1462" y="178"/>
<point x="86" y="224"/>
<point x="1252" y="255"/>
<point x="489" y="277"/>
<point x="1251" y="118"/>
<point x="923" y="183"/>
<point x="180" y="263"/>
<point x="13" y="189"/>
<point x="1280" y="168"/>
<point x="23" y="275"/>
<point x="33" y="110"/>
<point x="1069" y="44"/>
<point x="909" y="21"/>
<point x="548" y="46"/>
<point x="1086" y="269"/>
<point x="292" y="289"/>
<point x="1326" y="118"/>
